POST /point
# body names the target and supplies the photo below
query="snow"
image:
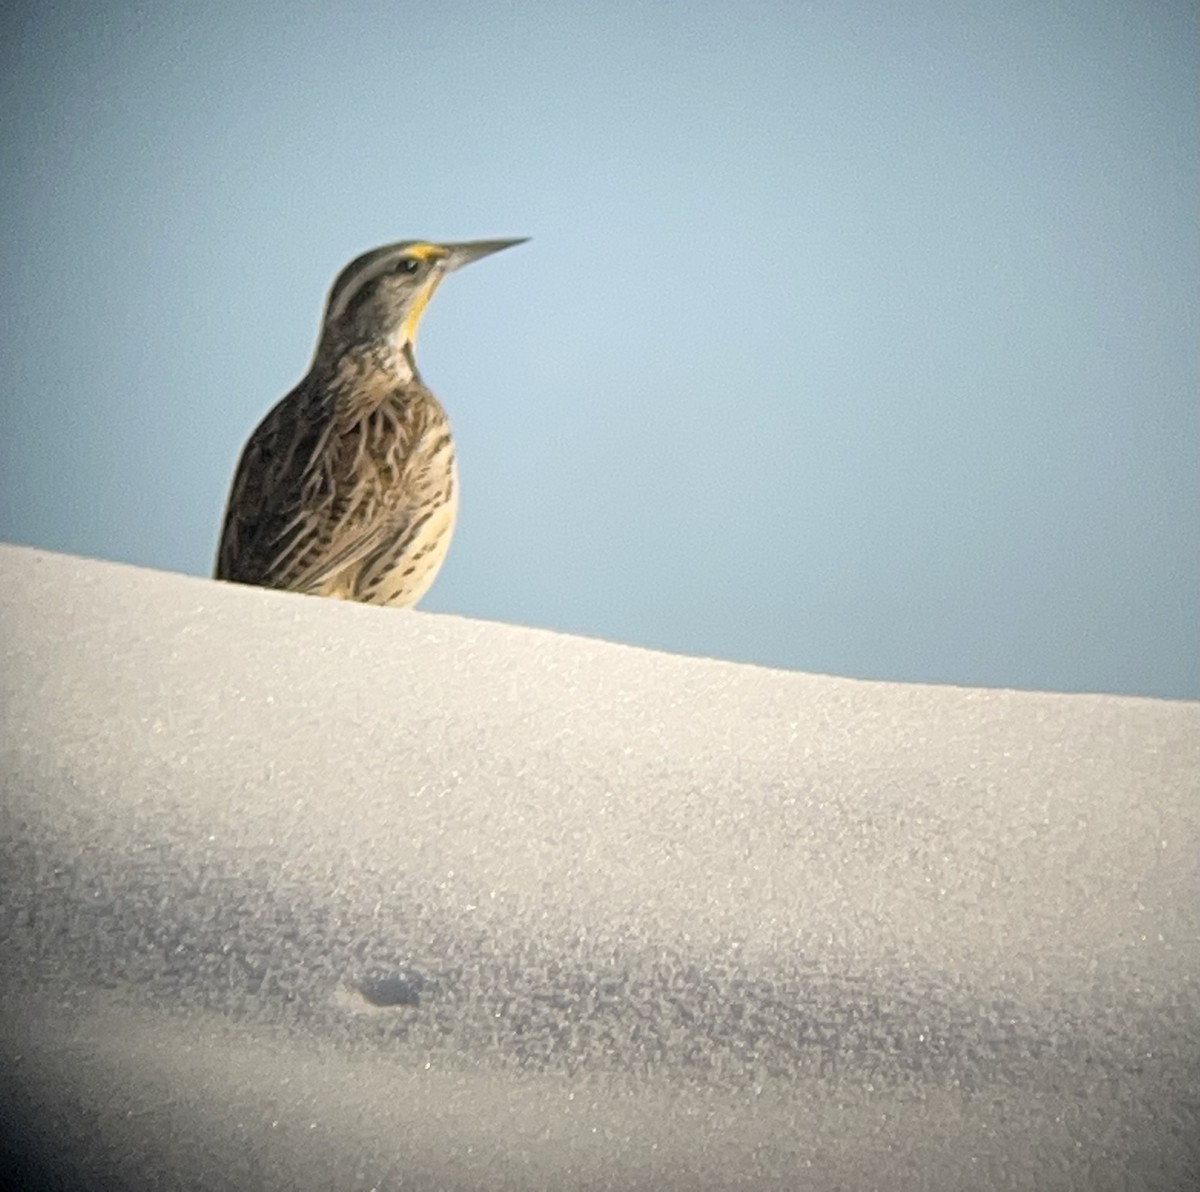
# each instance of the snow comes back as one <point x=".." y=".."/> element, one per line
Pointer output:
<point x="635" y="919"/>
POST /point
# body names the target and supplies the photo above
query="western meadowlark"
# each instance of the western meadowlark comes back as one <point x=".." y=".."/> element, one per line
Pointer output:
<point x="348" y="487"/>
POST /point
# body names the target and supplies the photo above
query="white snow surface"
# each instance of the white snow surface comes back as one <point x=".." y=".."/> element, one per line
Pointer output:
<point x="637" y="920"/>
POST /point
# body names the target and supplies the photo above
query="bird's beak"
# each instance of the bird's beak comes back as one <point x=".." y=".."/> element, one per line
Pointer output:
<point x="458" y="255"/>
<point x="455" y="257"/>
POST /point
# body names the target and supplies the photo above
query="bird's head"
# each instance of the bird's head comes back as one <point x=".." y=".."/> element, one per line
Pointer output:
<point x="379" y="298"/>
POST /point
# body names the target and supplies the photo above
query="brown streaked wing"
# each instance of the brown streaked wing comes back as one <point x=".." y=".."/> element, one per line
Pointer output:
<point x="379" y="489"/>
<point x="267" y="494"/>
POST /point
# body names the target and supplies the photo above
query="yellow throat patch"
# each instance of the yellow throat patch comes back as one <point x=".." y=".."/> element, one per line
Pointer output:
<point x="422" y="252"/>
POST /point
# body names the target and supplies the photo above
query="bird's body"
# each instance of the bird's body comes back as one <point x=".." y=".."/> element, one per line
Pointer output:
<point x="348" y="488"/>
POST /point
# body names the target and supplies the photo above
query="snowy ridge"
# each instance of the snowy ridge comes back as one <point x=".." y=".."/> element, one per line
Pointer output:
<point x="301" y="894"/>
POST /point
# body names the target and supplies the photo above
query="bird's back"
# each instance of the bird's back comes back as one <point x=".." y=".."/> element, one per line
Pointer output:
<point x="352" y="496"/>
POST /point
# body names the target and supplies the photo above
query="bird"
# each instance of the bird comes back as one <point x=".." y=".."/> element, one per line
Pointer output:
<point x="348" y="488"/>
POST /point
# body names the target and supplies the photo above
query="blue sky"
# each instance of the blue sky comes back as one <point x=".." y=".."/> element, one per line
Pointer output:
<point x="855" y="338"/>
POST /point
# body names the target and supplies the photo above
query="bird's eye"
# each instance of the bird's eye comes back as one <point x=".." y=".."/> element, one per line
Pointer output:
<point x="405" y="266"/>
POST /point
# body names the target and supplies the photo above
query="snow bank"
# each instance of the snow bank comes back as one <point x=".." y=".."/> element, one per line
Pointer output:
<point x="299" y="894"/>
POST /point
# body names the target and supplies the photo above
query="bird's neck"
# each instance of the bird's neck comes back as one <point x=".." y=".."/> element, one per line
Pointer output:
<point x="361" y="376"/>
<point x="407" y="354"/>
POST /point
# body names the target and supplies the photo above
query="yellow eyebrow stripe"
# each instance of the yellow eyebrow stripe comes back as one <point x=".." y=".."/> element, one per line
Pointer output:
<point x="425" y="252"/>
